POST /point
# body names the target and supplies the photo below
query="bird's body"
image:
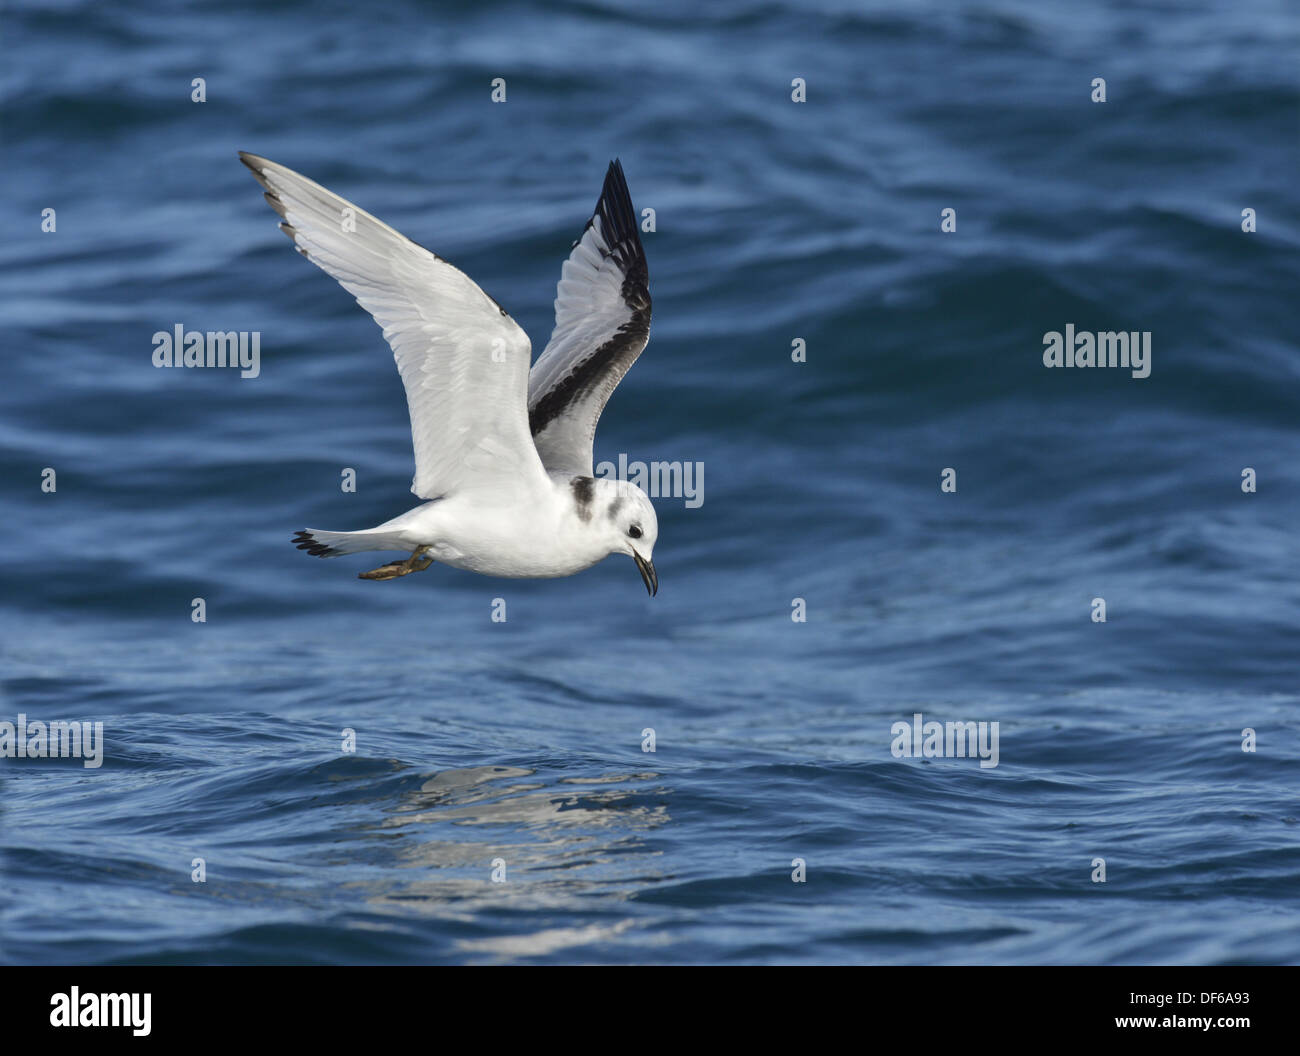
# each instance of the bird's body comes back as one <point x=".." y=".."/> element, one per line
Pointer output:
<point x="502" y="453"/>
<point x="483" y="532"/>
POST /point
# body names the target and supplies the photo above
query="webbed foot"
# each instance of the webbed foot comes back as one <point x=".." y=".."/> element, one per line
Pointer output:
<point x="415" y="563"/>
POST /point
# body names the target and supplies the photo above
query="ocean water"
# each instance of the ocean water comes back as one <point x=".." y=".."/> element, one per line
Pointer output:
<point x="514" y="751"/>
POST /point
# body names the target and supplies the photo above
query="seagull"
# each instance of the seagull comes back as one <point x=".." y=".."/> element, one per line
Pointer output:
<point x="503" y="454"/>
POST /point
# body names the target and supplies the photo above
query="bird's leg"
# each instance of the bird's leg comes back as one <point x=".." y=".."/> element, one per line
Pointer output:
<point x="400" y="568"/>
<point x="414" y="564"/>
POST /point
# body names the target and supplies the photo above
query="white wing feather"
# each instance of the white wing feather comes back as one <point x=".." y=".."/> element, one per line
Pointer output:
<point x="463" y="360"/>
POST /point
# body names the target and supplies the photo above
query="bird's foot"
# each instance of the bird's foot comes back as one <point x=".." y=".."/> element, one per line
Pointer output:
<point x="415" y="563"/>
<point x="391" y="571"/>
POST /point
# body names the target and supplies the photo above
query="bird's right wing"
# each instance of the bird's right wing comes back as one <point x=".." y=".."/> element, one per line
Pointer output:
<point x="463" y="360"/>
<point x="602" y="322"/>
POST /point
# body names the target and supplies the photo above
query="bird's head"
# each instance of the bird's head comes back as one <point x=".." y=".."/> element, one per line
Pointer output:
<point x="626" y="519"/>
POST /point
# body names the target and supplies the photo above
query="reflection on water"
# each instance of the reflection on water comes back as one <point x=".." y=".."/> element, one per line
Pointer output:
<point x="566" y="844"/>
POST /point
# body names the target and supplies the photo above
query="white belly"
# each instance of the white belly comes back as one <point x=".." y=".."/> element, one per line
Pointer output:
<point x="540" y="540"/>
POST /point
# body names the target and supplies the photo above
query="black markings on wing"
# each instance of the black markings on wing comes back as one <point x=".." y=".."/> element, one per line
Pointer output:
<point x="306" y="541"/>
<point x="603" y="368"/>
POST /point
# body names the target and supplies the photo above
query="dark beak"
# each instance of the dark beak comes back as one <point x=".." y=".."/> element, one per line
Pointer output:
<point x="647" y="570"/>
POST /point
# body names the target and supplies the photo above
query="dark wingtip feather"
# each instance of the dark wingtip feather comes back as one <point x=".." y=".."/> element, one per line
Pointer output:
<point x="255" y="165"/>
<point x="622" y="233"/>
<point x="307" y="542"/>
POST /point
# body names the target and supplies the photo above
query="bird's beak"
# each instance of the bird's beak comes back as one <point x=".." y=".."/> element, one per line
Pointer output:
<point x="647" y="570"/>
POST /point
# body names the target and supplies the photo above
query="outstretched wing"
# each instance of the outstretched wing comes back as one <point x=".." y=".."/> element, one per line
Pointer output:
<point x="602" y="322"/>
<point x="463" y="360"/>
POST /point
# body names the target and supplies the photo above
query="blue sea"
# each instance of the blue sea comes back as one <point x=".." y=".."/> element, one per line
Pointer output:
<point x="903" y="512"/>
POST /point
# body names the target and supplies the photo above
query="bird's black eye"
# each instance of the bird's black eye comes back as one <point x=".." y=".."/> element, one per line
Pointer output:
<point x="635" y="531"/>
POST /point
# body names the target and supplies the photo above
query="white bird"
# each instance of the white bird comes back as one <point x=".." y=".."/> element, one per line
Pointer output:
<point x="503" y="455"/>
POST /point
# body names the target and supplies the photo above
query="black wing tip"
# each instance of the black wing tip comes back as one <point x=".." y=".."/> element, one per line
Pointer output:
<point x="306" y="541"/>
<point x="257" y="166"/>
<point x="615" y="198"/>
<point x="621" y="230"/>
<point x="255" y="163"/>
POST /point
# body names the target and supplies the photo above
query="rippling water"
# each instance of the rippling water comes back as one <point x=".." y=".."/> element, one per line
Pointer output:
<point x="521" y="743"/>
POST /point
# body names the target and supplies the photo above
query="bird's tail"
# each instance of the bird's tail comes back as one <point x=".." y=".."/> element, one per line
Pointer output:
<point x="333" y="544"/>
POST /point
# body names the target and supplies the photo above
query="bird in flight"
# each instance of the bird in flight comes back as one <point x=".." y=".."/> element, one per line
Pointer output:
<point x="503" y="454"/>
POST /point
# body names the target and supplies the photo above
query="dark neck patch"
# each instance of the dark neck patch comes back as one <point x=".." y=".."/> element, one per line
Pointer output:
<point x="584" y="493"/>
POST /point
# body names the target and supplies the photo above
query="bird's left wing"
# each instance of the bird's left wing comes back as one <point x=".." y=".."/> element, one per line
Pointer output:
<point x="463" y="360"/>
<point x="602" y="322"/>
